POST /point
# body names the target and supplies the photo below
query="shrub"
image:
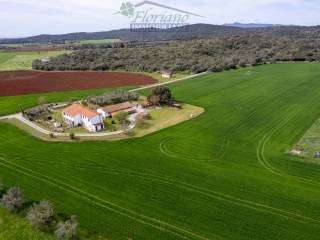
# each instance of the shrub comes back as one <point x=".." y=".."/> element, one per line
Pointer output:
<point x="41" y="215"/>
<point x="122" y="118"/>
<point x="141" y="121"/>
<point x="67" y="230"/>
<point x="84" y="103"/>
<point x="35" y="112"/>
<point x="72" y="136"/>
<point x="110" y="126"/>
<point x="13" y="199"/>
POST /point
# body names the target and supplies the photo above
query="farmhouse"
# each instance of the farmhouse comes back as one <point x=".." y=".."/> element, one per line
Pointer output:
<point x="109" y="110"/>
<point x="166" y="74"/>
<point x="77" y="115"/>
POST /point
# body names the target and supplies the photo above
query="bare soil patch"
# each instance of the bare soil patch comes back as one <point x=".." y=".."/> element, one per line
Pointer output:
<point x="29" y="82"/>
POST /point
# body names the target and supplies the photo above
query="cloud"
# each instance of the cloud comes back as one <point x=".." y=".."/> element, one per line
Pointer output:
<point x="29" y="17"/>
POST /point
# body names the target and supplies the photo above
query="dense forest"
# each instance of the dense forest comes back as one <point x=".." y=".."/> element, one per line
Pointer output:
<point x="214" y="54"/>
<point x="196" y="31"/>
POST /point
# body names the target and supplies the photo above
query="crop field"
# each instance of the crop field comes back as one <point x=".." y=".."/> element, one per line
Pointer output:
<point x="14" y="83"/>
<point x="224" y="175"/>
<point x="23" y="60"/>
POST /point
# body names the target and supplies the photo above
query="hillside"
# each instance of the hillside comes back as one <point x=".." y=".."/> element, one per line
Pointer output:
<point x="252" y="25"/>
<point x="196" y="31"/>
<point x="215" y="54"/>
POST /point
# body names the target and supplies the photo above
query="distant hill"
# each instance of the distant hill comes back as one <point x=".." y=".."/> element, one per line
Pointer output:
<point x="196" y="31"/>
<point x="251" y="25"/>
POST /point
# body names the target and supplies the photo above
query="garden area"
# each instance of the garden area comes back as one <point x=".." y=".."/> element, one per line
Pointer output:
<point x="123" y="115"/>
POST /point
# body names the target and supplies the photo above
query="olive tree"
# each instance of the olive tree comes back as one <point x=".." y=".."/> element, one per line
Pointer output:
<point x="68" y="229"/>
<point x="41" y="214"/>
<point x="13" y="199"/>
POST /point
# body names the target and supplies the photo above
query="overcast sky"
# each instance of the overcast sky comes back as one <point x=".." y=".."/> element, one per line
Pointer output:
<point x="30" y="17"/>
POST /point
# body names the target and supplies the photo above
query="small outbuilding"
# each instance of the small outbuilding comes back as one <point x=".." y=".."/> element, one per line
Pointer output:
<point x="111" y="109"/>
<point x="167" y="74"/>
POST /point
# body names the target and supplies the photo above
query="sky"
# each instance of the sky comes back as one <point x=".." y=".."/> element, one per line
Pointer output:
<point x="21" y="18"/>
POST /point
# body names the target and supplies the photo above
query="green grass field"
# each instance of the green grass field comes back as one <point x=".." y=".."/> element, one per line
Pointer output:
<point x="223" y="175"/>
<point x="22" y="60"/>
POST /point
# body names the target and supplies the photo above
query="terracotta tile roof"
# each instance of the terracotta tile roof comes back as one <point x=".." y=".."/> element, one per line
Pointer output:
<point x="118" y="107"/>
<point x="75" y="109"/>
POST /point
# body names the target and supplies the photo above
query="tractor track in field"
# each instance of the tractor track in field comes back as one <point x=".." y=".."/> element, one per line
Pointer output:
<point x="163" y="148"/>
<point x="156" y="223"/>
<point x="265" y="139"/>
<point x="226" y="140"/>
<point x="265" y="163"/>
<point x="203" y="191"/>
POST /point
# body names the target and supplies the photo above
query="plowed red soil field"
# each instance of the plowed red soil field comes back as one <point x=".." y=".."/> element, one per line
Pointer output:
<point x="28" y="82"/>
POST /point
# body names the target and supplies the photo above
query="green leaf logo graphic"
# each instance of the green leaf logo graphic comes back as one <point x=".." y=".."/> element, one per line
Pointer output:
<point x="127" y="9"/>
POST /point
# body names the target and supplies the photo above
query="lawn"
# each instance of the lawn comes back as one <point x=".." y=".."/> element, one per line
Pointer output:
<point x="223" y="175"/>
<point x="22" y="60"/>
<point x="165" y="117"/>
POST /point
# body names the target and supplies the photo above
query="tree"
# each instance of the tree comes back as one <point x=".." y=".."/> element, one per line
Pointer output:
<point x="155" y="100"/>
<point x="67" y="230"/>
<point x="41" y="215"/>
<point x="163" y="92"/>
<point x="160" y="95"/>
<point x="13" y="199"/>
